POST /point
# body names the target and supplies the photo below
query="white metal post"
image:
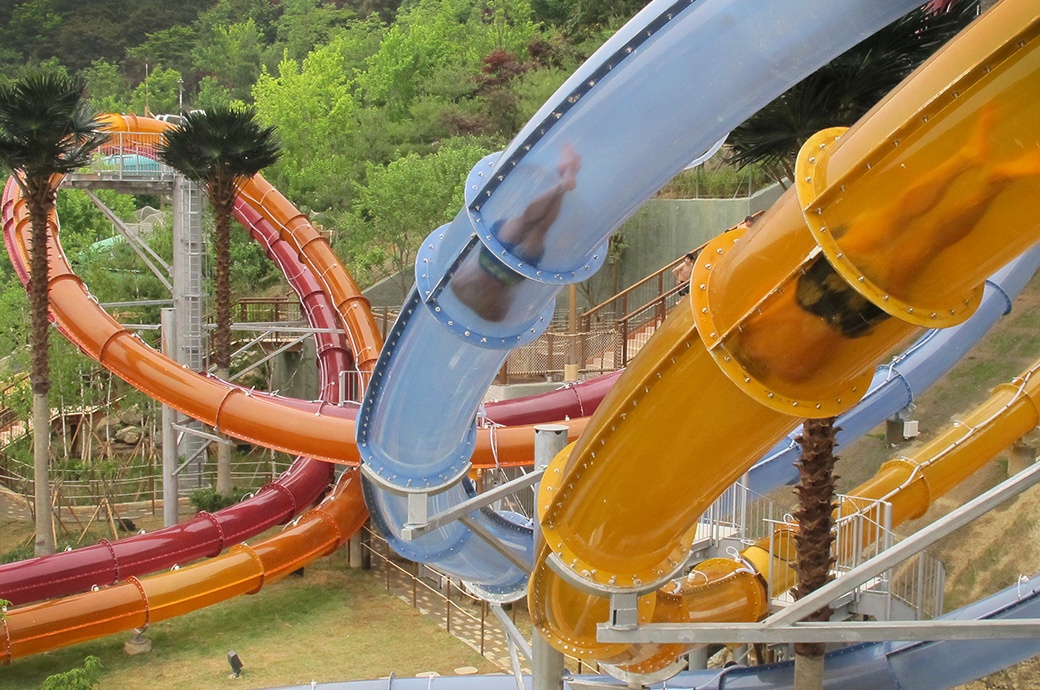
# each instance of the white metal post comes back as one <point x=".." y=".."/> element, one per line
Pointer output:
<point x="171" y="490"/>
<point x="549" y="440"/>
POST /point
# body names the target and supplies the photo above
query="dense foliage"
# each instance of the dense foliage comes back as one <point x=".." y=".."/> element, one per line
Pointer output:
<point x="382" y="107"/>
<point x="350" y="85"/>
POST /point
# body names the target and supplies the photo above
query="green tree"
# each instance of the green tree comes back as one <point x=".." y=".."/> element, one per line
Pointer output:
<point x="210" y="95"/>
<point x="170" y="48"/>
<point x="305" y="24"/>
<point x="87" y="32"/>
<point x="85" y="678"/>
<point x="159" y="93"/>
<point x="31" y="22"/>
<point x="219" y="149"/>
<point x="263" y="13"/>
<point x="592" y="15"/>
<point x="83" y="223"/>
<point x="233" y="54"/>
<point x="403" y="202"/>
<point x="314" y="108"/>
<point x="108" y="88"/>
<point x="842" y="91"/>
<point x="424" y="39"/>
<point x="383" y="9"/>
<point x="14" y="331"/>
<point x="47" y="128"/>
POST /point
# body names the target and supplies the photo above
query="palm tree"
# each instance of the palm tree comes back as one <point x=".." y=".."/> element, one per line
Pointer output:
<point x="219" y="149"/>
<point x="47" y="129"/>
<point x="838" y="94"/>
<point x="842" y="91"/>
<point x="813" y="541"/>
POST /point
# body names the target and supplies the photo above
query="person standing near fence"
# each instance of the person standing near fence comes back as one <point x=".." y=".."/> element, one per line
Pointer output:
<point x="682" y="273"/>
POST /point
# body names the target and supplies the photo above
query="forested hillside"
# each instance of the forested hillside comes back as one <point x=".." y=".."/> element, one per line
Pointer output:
<point x="382" y="105"/>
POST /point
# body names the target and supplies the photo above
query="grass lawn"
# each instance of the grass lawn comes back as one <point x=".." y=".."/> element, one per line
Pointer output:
<point x="331" y="624"/>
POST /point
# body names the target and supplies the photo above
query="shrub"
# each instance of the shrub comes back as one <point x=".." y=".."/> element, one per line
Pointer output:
<point x="85" y="678"/>
<point x="210" y="501"/>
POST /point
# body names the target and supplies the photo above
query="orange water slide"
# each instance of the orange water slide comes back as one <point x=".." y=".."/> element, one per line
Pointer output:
<point x="136" y="603"/>
<point x="892" y="226"/>
<point x="315" y="430"/>
<point x="263" y="418"/>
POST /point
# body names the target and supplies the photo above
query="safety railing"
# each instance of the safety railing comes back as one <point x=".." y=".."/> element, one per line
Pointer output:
<point x="913" y="590"/>
<point x="128" y="156"/>
<point x="267" y="310"/>
<point x="442" y="597"/>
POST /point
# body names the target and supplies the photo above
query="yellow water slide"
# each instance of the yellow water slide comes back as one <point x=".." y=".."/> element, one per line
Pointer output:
<point x="892" y="227"/>
<point x="910" y="484"/>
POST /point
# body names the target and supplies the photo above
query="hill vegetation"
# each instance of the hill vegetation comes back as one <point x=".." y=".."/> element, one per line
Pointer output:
<point x="382" y="105"/>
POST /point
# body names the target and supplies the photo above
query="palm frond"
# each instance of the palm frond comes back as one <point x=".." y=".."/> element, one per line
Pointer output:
<point x="841" y="92"/>
<point x="47" y="126"/>
<point x="220" y="143"/>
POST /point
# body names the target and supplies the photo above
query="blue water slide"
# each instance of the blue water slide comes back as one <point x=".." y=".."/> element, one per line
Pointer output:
<point x="896" y="384"/>
<point x="658" y="94"/>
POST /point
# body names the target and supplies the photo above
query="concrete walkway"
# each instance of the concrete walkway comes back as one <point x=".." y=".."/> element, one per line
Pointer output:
<point x="14" y="506"/>
<point x="475" y="625"/>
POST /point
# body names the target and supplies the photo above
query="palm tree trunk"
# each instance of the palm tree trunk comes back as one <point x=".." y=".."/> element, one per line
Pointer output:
<point x="814" y="539"/>
<point x="223" y="200"/>
<point x="45" y="541"/>
<point x="40" y="199"/>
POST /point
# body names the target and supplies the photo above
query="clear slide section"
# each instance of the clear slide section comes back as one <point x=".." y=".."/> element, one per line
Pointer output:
<point x="315" y="429"/>
<point x="538" y="216"/>
<point x="270" y="219"/>
<point x="788" y="320"/>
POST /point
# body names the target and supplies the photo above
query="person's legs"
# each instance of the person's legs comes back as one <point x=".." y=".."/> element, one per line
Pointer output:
<point x="485" y="285"/>
<point x="526" y="233"/>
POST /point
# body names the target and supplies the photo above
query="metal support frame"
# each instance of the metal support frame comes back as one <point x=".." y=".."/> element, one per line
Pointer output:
<point x="203" y="434"/>
<point x="171" y="487"/>
<point x="138" y="303"/>
<point x="846" y="632"/>
<point x="143" y="251"/>
<point x="271" y="355"/>
<point x="784" y="626"/>
<point x="481" y="532"/>
<point x="548" y="663"/>
<point x="189" y="295"/>
<point x="515" y="641"/>
<point x="422" y="523"/>
<point x="191" y="458"/>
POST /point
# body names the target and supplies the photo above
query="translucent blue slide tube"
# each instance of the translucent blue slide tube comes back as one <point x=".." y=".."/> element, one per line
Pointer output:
<point x="662" y="91"/>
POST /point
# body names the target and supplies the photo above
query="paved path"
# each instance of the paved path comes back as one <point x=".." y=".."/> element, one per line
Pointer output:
<point x="485" y="636"/>
<point x="13" y="506"/>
